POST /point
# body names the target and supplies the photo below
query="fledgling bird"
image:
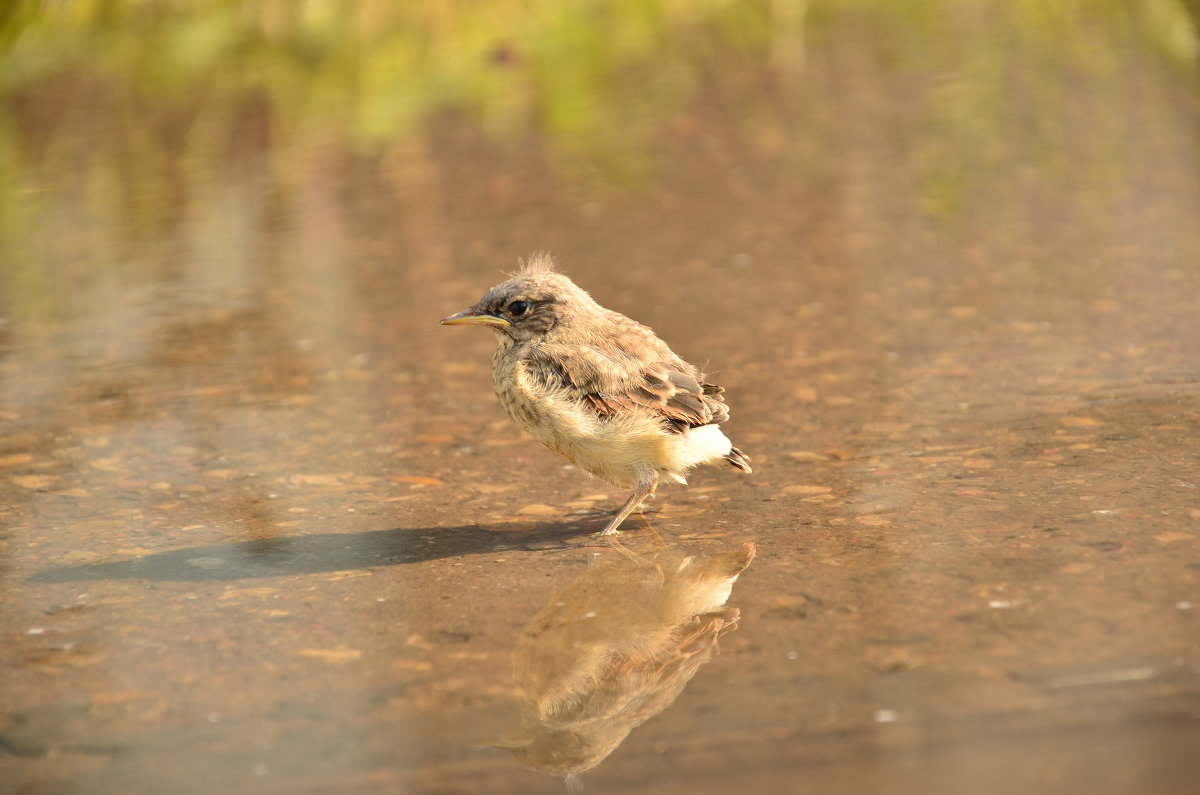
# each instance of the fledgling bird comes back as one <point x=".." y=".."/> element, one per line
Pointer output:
<point x="597" y="387"/>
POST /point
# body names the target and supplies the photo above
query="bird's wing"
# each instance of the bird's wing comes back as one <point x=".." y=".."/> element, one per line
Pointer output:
<point x="613" y="383"/>
<point x="679" y="397"/>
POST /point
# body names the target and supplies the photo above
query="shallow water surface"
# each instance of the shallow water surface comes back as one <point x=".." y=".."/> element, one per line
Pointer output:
<point x="265" y="528"/>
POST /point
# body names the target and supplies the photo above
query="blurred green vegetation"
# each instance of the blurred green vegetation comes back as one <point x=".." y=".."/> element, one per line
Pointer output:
<point x="114" y="108"/>
<point x="376" y="69"/>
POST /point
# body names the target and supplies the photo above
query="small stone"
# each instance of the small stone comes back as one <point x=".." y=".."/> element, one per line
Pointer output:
<point x="35" y="481"/>
<point x="319" y="480"/>
<point x="420" y="480"/>
<point x="886" y="427"/>
<point x="77" y="493"/>
<point x="332" y="655"/>
<point x="805" y="489"/>
<point x="805" y="394"/>
<point x="538" y="509"/>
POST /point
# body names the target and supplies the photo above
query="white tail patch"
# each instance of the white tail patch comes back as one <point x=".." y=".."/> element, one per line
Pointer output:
<point x="700" y="446"/>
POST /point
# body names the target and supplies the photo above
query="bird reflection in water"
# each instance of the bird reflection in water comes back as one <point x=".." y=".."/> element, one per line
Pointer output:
<point x="615" y="648"/>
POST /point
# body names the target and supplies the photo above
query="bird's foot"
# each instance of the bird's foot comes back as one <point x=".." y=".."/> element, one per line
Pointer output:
<point x="590" y="541"/>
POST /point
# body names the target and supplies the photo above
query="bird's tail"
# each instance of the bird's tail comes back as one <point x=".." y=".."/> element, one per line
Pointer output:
<point x="738" y="459"/>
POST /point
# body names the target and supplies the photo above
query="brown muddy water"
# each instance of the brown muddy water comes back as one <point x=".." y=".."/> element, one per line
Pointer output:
<point x="265" y="528"/>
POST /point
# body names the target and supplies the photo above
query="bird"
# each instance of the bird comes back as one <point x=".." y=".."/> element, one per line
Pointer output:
<point x="597" y="387"/>
<point x="614" y="648"/>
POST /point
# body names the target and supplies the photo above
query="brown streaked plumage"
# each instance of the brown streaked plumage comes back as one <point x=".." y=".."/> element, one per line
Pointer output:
<point x="597" y="387"/>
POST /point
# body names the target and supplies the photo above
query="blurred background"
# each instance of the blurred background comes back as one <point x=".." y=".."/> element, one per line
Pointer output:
<point x="263" y="526"/>
<point x="144" y="126"/>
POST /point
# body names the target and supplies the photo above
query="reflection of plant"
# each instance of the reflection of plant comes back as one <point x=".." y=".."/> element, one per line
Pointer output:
<point x="133" y="98"/>
<point x="382" y="67"/>
<point x="377" y="69"/>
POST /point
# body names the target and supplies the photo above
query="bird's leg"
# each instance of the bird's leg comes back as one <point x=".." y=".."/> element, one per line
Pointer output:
<point x="653" y="533"/>
<point x="643" y="490"/>
<point x="636" y="558"/>
<point x="644" y="507"/>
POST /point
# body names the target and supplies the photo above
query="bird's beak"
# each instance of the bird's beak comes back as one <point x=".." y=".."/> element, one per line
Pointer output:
<point x="473" y="317"/>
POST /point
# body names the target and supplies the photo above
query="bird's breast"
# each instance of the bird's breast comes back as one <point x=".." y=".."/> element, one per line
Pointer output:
<point x="517" y="394"/>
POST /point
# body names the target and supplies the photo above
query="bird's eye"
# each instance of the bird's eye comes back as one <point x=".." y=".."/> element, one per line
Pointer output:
<point x="518" y="308"/>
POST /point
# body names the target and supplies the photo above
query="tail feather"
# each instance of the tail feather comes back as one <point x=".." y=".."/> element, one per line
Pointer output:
<point x="718" y="409"/>
<point x="739" y="459"/>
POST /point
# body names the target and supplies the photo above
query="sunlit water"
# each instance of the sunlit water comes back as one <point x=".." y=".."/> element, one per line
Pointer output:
<point x="264" y="527"/>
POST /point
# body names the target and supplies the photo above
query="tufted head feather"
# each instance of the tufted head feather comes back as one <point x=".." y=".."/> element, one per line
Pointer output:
<point x="535" y="302"/>
<point x="537" y="262"/>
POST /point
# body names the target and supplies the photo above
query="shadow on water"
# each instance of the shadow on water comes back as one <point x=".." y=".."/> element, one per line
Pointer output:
<point x="319" y="552"/>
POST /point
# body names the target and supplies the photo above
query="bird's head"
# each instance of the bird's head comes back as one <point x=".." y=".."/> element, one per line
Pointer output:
<point x="532" y="304"/>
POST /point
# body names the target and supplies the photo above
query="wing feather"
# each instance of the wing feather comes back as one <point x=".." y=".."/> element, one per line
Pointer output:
<point x="611" y="384"/>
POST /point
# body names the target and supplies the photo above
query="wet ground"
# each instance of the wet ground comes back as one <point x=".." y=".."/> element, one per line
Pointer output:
<point x="265" y="528"/>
